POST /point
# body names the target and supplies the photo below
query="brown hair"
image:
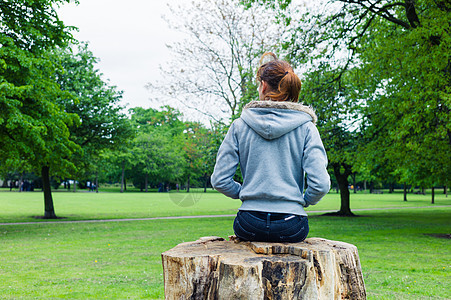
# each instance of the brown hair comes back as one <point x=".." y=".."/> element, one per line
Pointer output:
<point x="279" y="75"/>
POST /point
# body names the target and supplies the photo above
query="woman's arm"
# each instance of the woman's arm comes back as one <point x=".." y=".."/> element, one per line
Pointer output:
<point x="226" y="164"/>
<point x="315" y="166"/>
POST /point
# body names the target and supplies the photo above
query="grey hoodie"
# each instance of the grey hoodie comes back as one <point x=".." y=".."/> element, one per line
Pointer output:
<point x="275" y="144"/>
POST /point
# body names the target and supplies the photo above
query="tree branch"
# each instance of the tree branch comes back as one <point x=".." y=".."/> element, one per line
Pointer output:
<point x="382" y="11"/>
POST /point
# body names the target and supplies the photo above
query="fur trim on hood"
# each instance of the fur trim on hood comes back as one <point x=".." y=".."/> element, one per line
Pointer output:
<point x="283" y="105"/>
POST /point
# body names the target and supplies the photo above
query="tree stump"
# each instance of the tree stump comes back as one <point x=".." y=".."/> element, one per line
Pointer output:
<point x="213" y="268"/>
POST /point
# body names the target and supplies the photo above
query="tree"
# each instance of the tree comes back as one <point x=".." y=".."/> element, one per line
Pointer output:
<point x="401" y="50"/>
<point x="157" y="154"/>
<point x="328" y="87"/>
<point x="33" y="127"/>
<point x="103" y="124"/>
<point x="197" y="144"/>
<point x="414" y="73"/>
<point x="335" y="105"/>
<point x="212" y="70"/>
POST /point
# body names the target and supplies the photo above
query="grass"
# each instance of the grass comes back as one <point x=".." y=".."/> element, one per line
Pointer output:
<point x="88" y="205"/>
<point x="122" y="260"/>
<point x="22" y="207"/>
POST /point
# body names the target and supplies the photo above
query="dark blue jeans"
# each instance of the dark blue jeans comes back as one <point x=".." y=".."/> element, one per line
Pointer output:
<point x="270" y="227"/>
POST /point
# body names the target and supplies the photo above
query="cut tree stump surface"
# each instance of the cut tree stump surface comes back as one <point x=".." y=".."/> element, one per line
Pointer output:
<point x="213" y="268"/>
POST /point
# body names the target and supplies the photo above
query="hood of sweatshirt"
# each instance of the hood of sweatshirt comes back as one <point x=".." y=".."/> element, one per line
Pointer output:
<point x="272" y="119"/>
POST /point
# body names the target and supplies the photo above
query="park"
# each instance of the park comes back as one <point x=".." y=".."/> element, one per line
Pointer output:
<point x="95" y="188"/>
<point x="403" y="246"/>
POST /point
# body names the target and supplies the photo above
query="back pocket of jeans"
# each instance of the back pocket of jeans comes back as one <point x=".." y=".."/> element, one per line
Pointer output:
<point x="241" y="232"/>
<point x="299" y="236"/>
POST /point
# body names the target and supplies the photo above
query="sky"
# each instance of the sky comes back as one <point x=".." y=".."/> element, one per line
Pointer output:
<point x="128" y="37"/>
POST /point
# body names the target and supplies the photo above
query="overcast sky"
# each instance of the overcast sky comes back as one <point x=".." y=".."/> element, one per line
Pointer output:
<point x="128" y="37"/>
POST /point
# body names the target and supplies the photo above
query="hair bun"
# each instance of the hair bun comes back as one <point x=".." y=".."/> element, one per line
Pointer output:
<point x="267" y="57"/>
<point x="274" y="72"/>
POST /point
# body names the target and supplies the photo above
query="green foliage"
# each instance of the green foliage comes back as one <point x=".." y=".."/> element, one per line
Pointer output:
<point x="336" y="111"/>
<point x="33" y="127"/>
<point x="390" y="64"/>
<point x="56" y="113"/>
<point x="102" y="123"/>
<point x="410" y="73"/>
<point x="169" y="150"/>
<point x="32" y="25"/>
<point x="197" y="145"/>
<point x="156" y="157"/>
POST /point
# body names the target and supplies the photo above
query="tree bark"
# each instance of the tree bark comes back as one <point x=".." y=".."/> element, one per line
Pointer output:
<point x="97" y="181"/>
<point x="405" y="191"/>
<point x="187" y="184"/>
<point x="433" y="195"/>
<point x="75" y="185"/>
<point x="146" y="182"/>
<point x="49" y="210"/>
<point x="445" y="191"/>
<point x="123" y="177"/>
<point x="212" y="268"/>
<point x="342" y="179"/>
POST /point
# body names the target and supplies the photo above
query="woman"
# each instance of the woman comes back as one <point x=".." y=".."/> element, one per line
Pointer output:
<point x="275" y="141"/>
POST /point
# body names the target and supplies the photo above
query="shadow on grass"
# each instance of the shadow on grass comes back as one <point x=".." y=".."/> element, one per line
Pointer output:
<point x="339" y="214"/>
<point x="45" y="218"/>
<point x="439" y="235"/>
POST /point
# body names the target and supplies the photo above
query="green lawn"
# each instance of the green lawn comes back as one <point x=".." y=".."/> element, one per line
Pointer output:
<point x="122" y="260"/>
<point x="21" y="207"/>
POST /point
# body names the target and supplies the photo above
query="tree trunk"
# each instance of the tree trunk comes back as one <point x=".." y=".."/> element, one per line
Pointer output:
<point x="49" y="210"/>
<point x="212" y="268"/>
<point x="445" y="191"/>
<point x="146" y="182"/>
<point x="187" y="184"/>
<point x="342" y="179"/>
<point x="75" y="185"/>
<point x="123" y="177"/>
<point x="405" y="191"/>
<point x="433" y="195"/>
<point x="392" y="188"/>
<point x="205" y="182"/>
